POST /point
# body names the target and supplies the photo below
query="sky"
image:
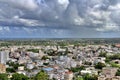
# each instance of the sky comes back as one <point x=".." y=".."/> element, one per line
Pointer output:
<point x="59" y="18"/>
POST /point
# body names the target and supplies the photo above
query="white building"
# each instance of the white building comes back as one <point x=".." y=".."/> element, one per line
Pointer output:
<point x="85" y="72"/>
<point x="30" y="66"/>
<point x="4" y="57"/>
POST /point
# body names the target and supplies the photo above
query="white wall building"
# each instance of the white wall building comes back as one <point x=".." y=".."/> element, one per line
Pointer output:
<point x="4" y="57"/>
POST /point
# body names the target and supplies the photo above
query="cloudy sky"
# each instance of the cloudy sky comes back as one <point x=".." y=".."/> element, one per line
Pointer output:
<point x="59" y="18"/>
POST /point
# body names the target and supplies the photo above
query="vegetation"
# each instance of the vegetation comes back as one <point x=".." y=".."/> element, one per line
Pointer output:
<point x="103" y="54"/>
<point x="88" y="63"/>
<point x="33" y="50"/>
<point x="46" y="64"/>
<point x="118" y="72"/>
<point x="50" y="52"/>
<point x="14" y="65"/>
<point x="41" y="76"/>
<point x="79" y="78"/>
<point x="11" y="70"/>
<point x="65" y="42"/>
<point x="100" y="65"/>
<point x="77" y="69"/>
<point x="17" y="76"/>
<point x="89" y="77"/>
<point x="3" y="77"/>
<point x="114" y="64"/>
<point x="114" y="57"/>
<point x="45" y="57"/>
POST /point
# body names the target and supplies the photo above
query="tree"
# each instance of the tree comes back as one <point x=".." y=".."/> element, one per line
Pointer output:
<point x="77" y="69"/>
<point x="41" y="76"/>
<point x="88" y="77"/>
<point x="114" y="57"/>
<point x="46" y="64"/>
<point x="88" y="63"/>
<point x="3" y="77"/>
<point x="100" y="65"/>
<point x="34" y="50"/>
<point x="17" y="76"/>
<point x="118" y="72"/>
<point x="45" y="57"/>
<point x="79" y="78"/>
<point x="11" y="70"/>
<point x="50" y="52"/>
<point x="103" y="54"/>
<point x="14" y="65"/>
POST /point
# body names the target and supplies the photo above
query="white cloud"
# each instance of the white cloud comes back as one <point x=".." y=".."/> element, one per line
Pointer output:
<point x="64" y="3"/>
<point x="1" y="29"/>
<point x="25" y="4"/>
<point x="4" y="29"/>
<point x="92" y="14"/>
<point x="29" y="30"/>
<point x="29" y="22"/>
<point x="109" y="27"/>
<point x="115" y="7"/>
<point x="7" y="29"/>
<point x="78" y="21"/>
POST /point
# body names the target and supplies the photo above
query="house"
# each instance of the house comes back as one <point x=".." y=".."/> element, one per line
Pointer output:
<point x="68" y="75"/>
<point x="2" y="68"/>
<point x="109" y="71"/>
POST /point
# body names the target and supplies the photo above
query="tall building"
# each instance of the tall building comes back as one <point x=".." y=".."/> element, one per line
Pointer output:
<point x="4" y="57"/>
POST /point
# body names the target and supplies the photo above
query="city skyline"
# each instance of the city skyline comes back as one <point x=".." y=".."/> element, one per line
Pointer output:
<point x="59" y="19"/>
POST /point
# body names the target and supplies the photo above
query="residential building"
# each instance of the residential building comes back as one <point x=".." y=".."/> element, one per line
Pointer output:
<point x="2" y="68"/>
<point x="4" y="56"/>
<point x="68" y="75"/>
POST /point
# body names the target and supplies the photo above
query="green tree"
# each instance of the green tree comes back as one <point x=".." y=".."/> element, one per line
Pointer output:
<point x="17" y="76"/>
<point x="14" y="65"/>
<point x="79" y="78"/>
<point x="34" y="50"/>
<point x="88" y="63"/>
<point x="88" y="77"/>
<point x="103" y="54"/>
<point x="114" y="57"/>
<point x="118" y="72"/>
<point x="100" y="65"/>
<point x="77" y="69"/>
<point x="50" y="52"/>
<point x="41" y="76"/>
<point x="3" y="77"/>
<point x="11" y="70"/>
<point x="45" y="57"/>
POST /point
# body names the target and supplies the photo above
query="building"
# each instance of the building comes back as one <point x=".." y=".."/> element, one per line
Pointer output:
<point x="69" y="75"/>
<point x="116" y="78"/>
<point x="2" y="68"/>
<point x="101" y="77"/>
<point x="83" y="72"/>
<point x="109" y="71"/>
<point x="4" y="57"/>
<point x="21" y="68"/>
<point x="30" y="66"/>
<point x="105" y="78"/>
